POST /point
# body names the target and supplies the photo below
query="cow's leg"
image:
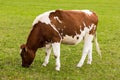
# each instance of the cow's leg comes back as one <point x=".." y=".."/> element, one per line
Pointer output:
<point x="56" y="50"/>
<point x="90" y="54"/>
<point x="48" y="51"/>
<point x="87" y="49"/>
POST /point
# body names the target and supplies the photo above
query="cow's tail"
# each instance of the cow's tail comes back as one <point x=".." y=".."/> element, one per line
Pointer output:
<point x="97" y="45"/>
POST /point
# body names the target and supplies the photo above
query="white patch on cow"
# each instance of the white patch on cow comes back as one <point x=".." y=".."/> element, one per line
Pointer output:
<point x="78" y="37"/>
<point x="61" y="33"/>
<point x="58" y="19"/>
<point x="73" y="40"/>
<point x="84" y="24"/>
<point x="53" y="26"/>
<point x="44" y="18"/>
<point x="88" y="28"/>
<point x="87" y="12"/>
<point x="92" y="26"/>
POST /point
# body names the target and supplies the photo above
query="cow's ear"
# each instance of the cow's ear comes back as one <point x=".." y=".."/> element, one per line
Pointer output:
<point x="22" y="46"/>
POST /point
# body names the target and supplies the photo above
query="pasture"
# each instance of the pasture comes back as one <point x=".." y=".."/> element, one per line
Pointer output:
<point x="16" y="17"/>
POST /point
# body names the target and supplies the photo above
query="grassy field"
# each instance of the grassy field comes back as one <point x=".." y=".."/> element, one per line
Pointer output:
<point x="16" y="17"/>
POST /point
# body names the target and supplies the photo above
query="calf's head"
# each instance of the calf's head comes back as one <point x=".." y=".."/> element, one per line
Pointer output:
<point x="27" y="56"/>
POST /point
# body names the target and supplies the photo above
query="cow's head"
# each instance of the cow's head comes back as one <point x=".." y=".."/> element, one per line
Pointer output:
<point x="27" y="56"/>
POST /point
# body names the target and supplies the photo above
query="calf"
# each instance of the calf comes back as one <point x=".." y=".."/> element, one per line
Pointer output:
<point x="52" y="28"/>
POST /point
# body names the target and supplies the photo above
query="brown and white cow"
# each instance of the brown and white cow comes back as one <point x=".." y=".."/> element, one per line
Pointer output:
<point x="52" y="28"/>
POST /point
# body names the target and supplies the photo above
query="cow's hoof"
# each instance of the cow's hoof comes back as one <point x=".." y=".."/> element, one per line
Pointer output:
<point x="79" y="65"/>
<point x="44" y="64"/>
<point x="89" y="62"/>
<point x="57" y="69"/>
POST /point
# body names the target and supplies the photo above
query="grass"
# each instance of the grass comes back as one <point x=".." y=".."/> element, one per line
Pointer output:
<point x="16" y="17"/>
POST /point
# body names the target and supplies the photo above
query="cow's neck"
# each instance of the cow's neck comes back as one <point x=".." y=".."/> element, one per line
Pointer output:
<point x="33" y="41"/>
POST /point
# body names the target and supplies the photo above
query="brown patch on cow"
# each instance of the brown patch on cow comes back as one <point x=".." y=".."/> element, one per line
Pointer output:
<point x="69" y="25"/>
<point x="40" y="34"/>
<point x="72" y="21"/>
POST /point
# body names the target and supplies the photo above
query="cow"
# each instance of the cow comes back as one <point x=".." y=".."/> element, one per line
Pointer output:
<point x="52" y="28"/>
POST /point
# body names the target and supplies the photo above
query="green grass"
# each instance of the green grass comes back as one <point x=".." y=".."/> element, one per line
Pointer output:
<point x="16" y="17"/>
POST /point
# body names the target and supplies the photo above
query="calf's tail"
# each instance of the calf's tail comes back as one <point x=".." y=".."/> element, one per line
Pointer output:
<point x="97" y="45"/>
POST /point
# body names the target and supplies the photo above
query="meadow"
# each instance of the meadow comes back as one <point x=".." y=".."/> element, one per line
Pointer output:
<point x="16" y="17"/>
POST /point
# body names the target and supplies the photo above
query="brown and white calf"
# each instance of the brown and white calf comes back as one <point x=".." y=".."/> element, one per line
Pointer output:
<point x="52" y="28"/>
